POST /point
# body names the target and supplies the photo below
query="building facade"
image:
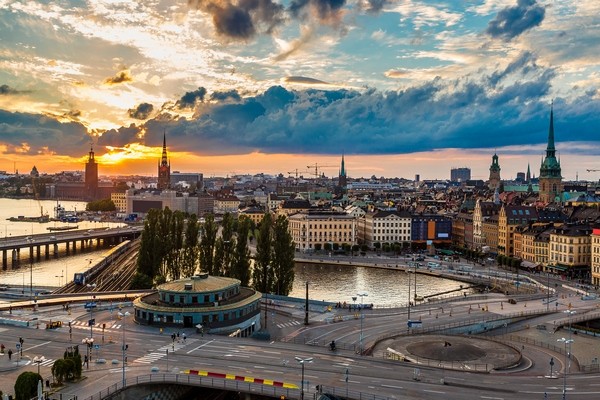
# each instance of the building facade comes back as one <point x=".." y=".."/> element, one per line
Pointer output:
<point x="509" y="217"/>
<point x="571" y="250"/>
<point x="494" y="180"/>
<point x="312" y="230"/>
<point x="462" y="174"/>
<point x="385" y="227"/>
<point x="595" y="261"/>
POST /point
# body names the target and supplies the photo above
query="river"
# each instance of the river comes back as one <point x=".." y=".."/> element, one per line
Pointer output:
<point x="331" y="283"/>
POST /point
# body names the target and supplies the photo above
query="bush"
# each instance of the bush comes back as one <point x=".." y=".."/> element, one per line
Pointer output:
<point x="26" y="385"/>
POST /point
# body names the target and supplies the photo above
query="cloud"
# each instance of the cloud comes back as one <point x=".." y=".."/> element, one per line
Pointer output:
<point x="243" y="19"/>
<point x="397" y="73"/>
<point x="525" y="63"/>
<point x="226" y="95"/>
<point x="374" y="6"/>
<point x="6" y="90"/>
<point x="189" y="99"/>
<point x="326" y="11"/>
<point x="120" y="137"/>
<point x="305" y="80"/>
<point x="121" y="77"/>
<point x="142" y="111"/>
<point x="510" y="22"/>
<point x="42" y="134"/>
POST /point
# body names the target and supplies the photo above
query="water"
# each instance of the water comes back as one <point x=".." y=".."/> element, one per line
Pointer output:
<point x="330" y="283"/>
<point x="383" y="287"/>
<point x="52" y="272"/>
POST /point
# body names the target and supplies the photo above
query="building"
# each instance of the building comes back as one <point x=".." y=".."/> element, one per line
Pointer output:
<point x="311" y="230"/>
<point x="595" y="261"/>
<point x="293" y="206"/>
<point x="193" y="180"/>
<point x="216" y="305"/>
<point x="385" y="227"/>
<point x="119" y="198"/>
<point x="535" y="244"/>
<point x="254" y="214"/>
<point x="571" y="250"/>
<point x="482" y="211"/>
<point x="509" y="217"/>
<point x="550" y="179"/>
<point x="494" y="180"/>
<point x="431" y="229"/>
<point x="342" y="178"/>
<point x="462" y="174"/>
<point x="226" y="203"/>
<point x="164" y="168"/>
<point x="141" y="203"/>
<point x="489" y="230"/>
<point x="91" y="176"/>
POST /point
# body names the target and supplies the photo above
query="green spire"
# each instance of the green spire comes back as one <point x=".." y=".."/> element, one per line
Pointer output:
<point x="550" y="150"/>
<point x="343" y="168"/>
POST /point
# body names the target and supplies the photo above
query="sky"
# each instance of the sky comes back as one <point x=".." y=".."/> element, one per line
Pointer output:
<point x="399" y="87"/>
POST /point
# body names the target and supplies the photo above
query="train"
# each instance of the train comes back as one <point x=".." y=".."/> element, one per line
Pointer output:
<point x="82" y="278"/>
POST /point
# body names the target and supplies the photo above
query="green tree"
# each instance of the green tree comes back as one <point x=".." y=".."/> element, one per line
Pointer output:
<point x="207" y="245"/>
<point x="101" y="205"/>
<point x="190" y="247"/>
<point x="149" y="256"/>
<point x="328" y="246"/>
<point x="26" y="385"/>
<point x="175" y="251"/>
<point x="240" y="267"/>
<point x="282" y="257"/>
<point x="262" y="273"/>
<point x="224" y="246"/>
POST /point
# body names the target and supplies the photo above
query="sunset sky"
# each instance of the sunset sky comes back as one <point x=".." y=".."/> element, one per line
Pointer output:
<point x="400" y="87"/>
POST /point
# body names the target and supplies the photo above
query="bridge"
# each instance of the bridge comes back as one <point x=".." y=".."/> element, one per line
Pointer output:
<point x="48" y="243"/>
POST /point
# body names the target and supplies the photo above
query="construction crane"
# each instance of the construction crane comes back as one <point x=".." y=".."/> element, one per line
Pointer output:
<point x="317" y="167"/>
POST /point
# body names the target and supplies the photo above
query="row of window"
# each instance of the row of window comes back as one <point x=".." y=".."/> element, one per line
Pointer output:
<point x="391" y="238"/>
<point x="396" y="231"/>
<point x="205" y="318"/>
<point x="392" y="224"/>
<point x="197" y="299"/>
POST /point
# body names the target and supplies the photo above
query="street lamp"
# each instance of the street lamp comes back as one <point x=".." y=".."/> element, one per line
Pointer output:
<point x="302" y="361"/>
<point x="89" y="343"/>
<point x="38" y="360"/>
<point x="567" y="342"/>
<point x="361" y="306"/>
<point x="125" y="346"/>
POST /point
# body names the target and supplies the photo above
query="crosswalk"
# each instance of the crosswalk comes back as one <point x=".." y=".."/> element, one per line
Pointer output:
<point x="162" y="351"/>
<point x="111" y="325"/>
<point x="288" y="324"/>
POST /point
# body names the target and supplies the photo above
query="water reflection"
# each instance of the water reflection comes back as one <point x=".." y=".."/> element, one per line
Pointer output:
<point x="384" y="287"/>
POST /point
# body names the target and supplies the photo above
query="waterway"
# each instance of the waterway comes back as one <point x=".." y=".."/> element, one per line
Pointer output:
<point x="52" y="272"/>
<point x="326" y="282"/>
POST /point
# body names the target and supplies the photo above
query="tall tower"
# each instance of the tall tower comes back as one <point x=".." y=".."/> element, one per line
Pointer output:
<point x="91" y="176"/>
<point x="164" y="167"/>
<point x="494" y="181"/>
<point x="342" y="179"/>
<point x="550" y="172"/>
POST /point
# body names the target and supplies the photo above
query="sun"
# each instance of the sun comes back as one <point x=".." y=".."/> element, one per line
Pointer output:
<point x="129" y="152"/>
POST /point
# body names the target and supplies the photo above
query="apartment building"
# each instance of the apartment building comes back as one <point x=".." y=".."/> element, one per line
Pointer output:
<point x="571" y="250"/>
<point x="311" y="230"/>
<point x="385" y="227"/>
<point x="482" y="211"/>
<point x="509" y="217"/>
<point x="595" y="261"/>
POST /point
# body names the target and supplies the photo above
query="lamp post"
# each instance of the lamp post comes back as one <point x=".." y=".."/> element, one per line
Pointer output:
<point x="126" y="346"/>
<point x="89" y="343"/>
<point x="361" y="306"/>
<point x="38" y="360"/>
<point x="567" y="342"/>
<point x="303" y="361"/>
<point x="91" y="307"/>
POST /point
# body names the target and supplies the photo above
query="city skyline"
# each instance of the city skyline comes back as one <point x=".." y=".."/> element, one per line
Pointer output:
<point x="399" y="87"/>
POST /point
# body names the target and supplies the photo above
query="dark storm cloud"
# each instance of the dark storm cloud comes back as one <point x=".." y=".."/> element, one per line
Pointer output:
<point x="242" y="19"/>
<point x="142" y="111"/>
<point x="327" y="11"/>
<point x="119" y="137"/>
<point x="189" y="99"/>
<point x="226" y="95"/>
<point x="42" y="133"/>
<point x="513" y="21"/>
<point x="464" y="113"/>
<point x="121" y="77"/>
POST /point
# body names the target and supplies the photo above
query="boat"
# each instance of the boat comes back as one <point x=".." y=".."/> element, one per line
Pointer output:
<point x="62" y="228"/>
<point x="41" y="219"/>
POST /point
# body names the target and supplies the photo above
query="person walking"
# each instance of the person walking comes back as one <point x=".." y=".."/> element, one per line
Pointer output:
<point x="9" y="354"/>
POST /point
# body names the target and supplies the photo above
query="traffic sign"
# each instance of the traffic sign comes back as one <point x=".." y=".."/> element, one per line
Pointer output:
<point x="414" y="324"/>
<point x="18" y="346"/>
<point x="96" y="346"/>
<point x="90" y="304"/>
<point x="92" y="322"/>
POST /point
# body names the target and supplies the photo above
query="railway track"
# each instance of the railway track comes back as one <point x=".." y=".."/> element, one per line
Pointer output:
<point x="115" y="276"/>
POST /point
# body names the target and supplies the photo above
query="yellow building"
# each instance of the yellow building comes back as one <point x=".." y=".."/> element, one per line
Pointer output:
<point x="385" y="227"/>
<point x="255" y="214"/>
<point x="571" y="250"/>
<point x="312" y="230"/>
<point x="509" y="218"/>
<point x="489" y="231"/>
<point x="536" y="241"/>
<point x="595" y="262"/>
<point x="120" y="200"/>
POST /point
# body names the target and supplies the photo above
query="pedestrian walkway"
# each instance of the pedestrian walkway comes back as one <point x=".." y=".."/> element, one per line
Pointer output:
<point x="162" y="351"/>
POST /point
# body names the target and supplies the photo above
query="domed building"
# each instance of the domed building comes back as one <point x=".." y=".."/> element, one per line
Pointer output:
<point x="216" y="304"/>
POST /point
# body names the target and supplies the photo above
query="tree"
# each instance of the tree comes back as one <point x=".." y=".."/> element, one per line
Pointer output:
<point x="328" y="246"/>
<point x="283" y="257"/>
<point x="26" y="385"/>
<point x="318" y="246"/>
<point x="149" y="257"/>
<point x="101" y="205"/>
<point x="262" y="273"/>
<point x="224" y="247"/>
<point x="207" y="245"/>
<point x="190" y="247"/>
<point x="240" y="267"/>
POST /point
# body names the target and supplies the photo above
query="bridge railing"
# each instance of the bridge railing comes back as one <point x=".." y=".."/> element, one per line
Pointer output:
<point x="195" y="380"/>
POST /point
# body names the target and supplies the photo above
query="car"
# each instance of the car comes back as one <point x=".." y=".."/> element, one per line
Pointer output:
<point x="512" y="301"/>
<point x="420" y="258"/>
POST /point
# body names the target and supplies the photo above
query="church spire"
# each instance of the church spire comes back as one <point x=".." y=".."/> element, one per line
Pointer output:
<point x="164" y="160"/>
<point x="550" y="150"/>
